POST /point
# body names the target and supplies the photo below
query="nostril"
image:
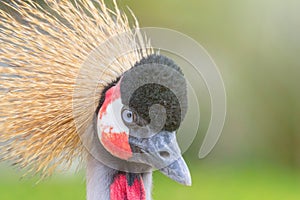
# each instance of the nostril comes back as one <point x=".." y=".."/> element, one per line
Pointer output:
<point x="164" y="154"/>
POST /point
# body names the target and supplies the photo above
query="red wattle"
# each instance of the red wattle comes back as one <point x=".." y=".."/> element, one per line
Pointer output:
<point x="120" y="190"/>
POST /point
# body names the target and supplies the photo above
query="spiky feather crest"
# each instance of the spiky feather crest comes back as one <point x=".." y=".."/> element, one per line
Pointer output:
<point x="41" y="57"/>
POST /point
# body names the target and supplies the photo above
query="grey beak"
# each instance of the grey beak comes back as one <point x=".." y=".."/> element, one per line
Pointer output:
<point x="162" y="152"/>
<point x="178" y="171"/>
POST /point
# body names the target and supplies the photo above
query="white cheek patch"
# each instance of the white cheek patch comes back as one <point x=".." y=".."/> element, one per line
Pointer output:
<point x="111" y="120"/>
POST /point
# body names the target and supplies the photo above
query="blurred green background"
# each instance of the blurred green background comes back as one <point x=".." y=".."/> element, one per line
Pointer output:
<point x="256" y="45"/>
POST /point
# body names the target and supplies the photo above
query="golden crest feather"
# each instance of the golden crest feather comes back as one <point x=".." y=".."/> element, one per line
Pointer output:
<point x="42" y="51"/>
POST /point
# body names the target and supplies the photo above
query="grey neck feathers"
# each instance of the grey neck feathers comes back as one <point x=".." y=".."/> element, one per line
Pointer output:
<point x="99" y="178"/>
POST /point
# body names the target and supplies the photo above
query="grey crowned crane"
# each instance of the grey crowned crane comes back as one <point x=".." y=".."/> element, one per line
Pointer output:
<point x="63" y="99"/>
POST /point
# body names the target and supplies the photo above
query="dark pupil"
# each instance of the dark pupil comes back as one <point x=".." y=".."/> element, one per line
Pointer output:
<point x="129" y="115"/>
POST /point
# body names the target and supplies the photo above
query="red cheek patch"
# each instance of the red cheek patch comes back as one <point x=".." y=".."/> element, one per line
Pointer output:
<point x="114" y="140"/>
<point x="116" y="143"/>
<point x="111" y="95"/>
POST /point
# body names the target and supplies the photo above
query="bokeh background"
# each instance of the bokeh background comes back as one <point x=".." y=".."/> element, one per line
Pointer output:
<point x="256" y="45"/>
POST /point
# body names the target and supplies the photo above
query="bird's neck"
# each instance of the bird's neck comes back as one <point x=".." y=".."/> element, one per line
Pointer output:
<point x="104" y="183"/>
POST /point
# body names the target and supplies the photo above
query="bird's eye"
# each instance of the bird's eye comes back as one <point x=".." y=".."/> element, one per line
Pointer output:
<point x="128" y="116"/>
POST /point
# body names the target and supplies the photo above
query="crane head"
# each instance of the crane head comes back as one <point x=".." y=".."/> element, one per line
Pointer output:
<point x="139" y="114"/>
